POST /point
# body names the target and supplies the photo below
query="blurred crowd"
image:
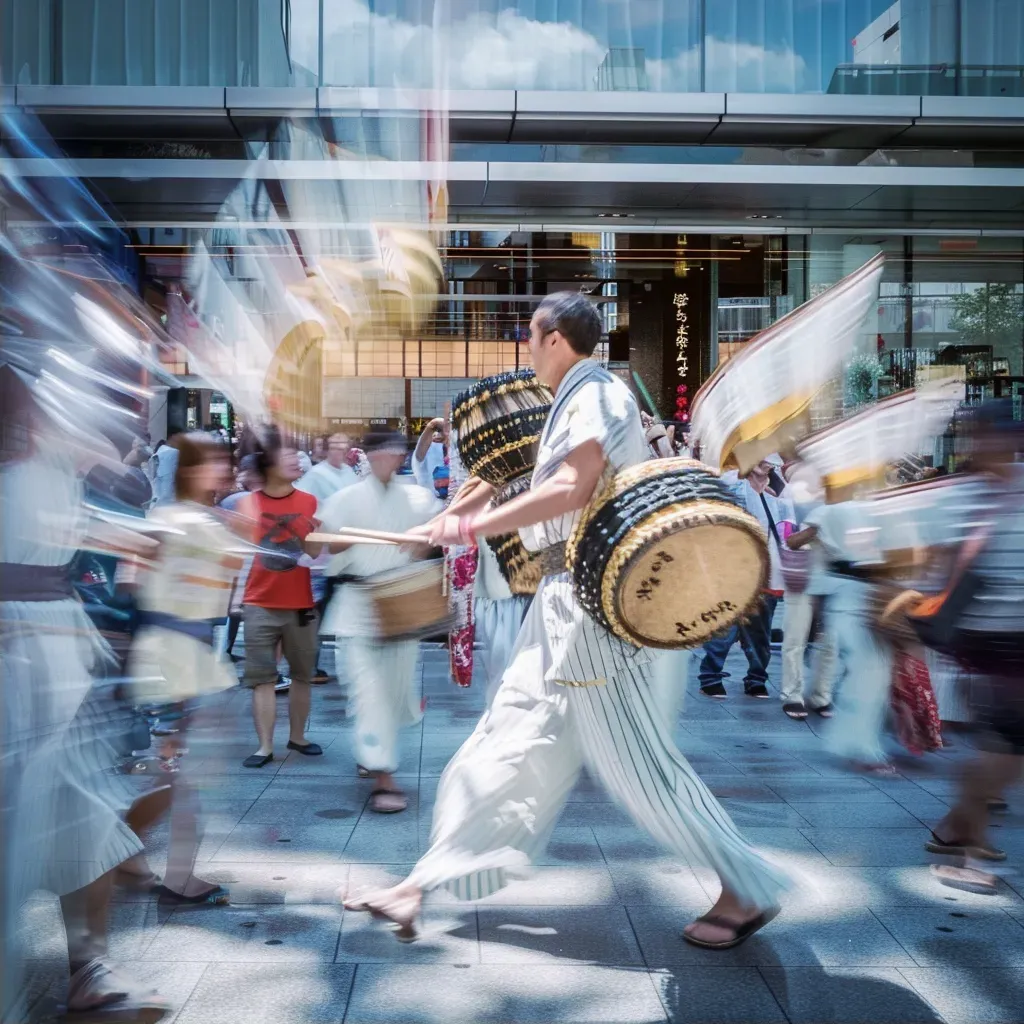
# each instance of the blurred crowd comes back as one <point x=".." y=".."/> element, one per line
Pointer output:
<point x="901" y="613"/>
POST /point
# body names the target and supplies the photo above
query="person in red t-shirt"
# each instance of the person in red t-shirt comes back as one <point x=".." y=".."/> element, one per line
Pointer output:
<point x="278" y="607"/>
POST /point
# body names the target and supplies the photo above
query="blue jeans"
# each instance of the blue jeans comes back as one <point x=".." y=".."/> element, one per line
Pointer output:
<point x="755" y="638"/>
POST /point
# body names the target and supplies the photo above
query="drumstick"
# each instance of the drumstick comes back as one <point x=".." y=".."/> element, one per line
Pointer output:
<point x="348" y="535"/>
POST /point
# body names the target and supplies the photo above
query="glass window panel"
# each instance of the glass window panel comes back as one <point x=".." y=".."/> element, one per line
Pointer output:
<point x="968" y="309"/>
<point x="906" y="47"/>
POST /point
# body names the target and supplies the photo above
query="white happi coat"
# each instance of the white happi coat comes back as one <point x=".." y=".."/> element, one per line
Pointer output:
<point x="382" y="675"/>
<point x="572" y="696"/>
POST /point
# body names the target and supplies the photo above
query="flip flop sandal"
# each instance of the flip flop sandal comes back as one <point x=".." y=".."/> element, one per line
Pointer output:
<point x="966" y="879"/>
<point x="961" y="849"/>
<point x="740" y="932"/>
<point x="795" y="711"/>
<point x="216" y="897"/>
<point x="363" y="773"/>
<point x="379" y="806"/>
<point x="826" y="711"/>
<point x="127" y="1002"/>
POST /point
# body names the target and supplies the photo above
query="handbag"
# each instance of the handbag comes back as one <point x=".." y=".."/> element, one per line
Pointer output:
<point x="935" y="620"/>
<point x="795" y="565"/>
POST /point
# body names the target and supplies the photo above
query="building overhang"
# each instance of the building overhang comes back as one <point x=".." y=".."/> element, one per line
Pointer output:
<point x="627" y="196"/>
<point x="732" y="119"/>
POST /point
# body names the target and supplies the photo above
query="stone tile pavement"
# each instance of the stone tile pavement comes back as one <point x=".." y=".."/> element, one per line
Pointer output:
<point x="868" y="936"/>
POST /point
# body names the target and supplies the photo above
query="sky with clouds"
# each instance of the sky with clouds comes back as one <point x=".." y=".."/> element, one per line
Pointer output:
<point x="750" y="46"/>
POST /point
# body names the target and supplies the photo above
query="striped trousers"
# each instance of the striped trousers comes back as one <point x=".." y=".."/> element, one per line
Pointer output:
<point x="502" y="793"/>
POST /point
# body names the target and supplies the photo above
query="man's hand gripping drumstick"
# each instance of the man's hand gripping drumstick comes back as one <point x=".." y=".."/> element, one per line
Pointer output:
<point x="467" y="519"/>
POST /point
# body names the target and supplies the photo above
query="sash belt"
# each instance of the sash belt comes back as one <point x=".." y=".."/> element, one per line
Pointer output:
<point x="198" y="629"/>
<point x="20" y="582"/>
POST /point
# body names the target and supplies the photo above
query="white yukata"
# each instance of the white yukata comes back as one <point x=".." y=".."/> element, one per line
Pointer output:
<point x="574" y="695"/>
<point x="382" y="675"/>
<point x="864" y="675"/>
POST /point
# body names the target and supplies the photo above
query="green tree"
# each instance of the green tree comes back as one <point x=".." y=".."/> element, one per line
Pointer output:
<point x="991" y="316"/>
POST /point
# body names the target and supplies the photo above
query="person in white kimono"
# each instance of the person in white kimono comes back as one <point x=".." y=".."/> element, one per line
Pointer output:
<point x="573" y="695"/>
<point x="864" y="676"/>
<point x="60" y="813"/>
<point x="382" y="675"/>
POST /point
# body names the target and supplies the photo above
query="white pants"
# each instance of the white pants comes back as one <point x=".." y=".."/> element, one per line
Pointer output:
<point x="668" y="684"/>
<point x="497" y="627"/>
<point x="502" y="793"/>
<point x="798" y="612"/>
<point x="865" y="678"/>
<point x="385" y="696"/>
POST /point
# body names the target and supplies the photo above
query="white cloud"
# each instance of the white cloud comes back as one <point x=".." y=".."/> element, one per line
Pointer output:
<point x="729" y="67"/>
<point x="507" y="50"/>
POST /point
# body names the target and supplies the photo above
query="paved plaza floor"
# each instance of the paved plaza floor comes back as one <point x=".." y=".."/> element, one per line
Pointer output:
<point x="594" y="935"/>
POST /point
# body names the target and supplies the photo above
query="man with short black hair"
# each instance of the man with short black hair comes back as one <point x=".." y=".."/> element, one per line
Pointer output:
<point x="754" y="635"/>
<point x="382" y="674"/>
<point x="573" y="694"/>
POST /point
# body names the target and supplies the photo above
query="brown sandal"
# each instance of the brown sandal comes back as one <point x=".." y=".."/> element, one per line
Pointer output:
<point x="741" y="932"/>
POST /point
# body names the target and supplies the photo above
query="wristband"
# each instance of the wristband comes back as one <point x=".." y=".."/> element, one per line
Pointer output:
<point x="466" y="537"/>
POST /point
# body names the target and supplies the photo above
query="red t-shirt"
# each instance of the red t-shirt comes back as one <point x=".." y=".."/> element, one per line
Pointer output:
<point x="281" y="524"/>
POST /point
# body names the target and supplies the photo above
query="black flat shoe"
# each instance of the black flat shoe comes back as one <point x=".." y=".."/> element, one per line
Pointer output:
<point x="758" y="690"/>
<point x="715" y="690"/>
<point x="217" y="896"/>
<point x="257" y="760"/>
<point x="309" y="749"/>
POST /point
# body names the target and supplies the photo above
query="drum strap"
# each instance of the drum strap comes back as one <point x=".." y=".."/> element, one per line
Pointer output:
<point x="771" y="521"/>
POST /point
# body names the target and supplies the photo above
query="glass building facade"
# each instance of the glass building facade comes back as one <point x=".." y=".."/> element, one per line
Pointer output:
<point x="908" y="47"/>
<point x="743" y="153"/>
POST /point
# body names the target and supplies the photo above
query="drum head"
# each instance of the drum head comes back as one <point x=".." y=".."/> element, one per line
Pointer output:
<point x="686" y="575"/>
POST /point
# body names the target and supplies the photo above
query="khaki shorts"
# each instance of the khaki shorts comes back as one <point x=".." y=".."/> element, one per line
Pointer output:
<point x="296" y="631"/>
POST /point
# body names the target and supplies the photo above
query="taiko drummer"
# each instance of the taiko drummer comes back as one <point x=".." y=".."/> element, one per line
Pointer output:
<point x="382" y="671"/>
<point x="573" y="694"/>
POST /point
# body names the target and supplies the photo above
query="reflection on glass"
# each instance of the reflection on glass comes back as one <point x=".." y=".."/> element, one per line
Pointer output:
<point x="892" y="47"/>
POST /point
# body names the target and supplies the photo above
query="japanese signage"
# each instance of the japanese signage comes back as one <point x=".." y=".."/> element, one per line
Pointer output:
<point x="680" y="301"/>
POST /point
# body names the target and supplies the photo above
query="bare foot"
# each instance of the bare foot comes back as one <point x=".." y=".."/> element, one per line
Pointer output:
<point x="399" y="905"/>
